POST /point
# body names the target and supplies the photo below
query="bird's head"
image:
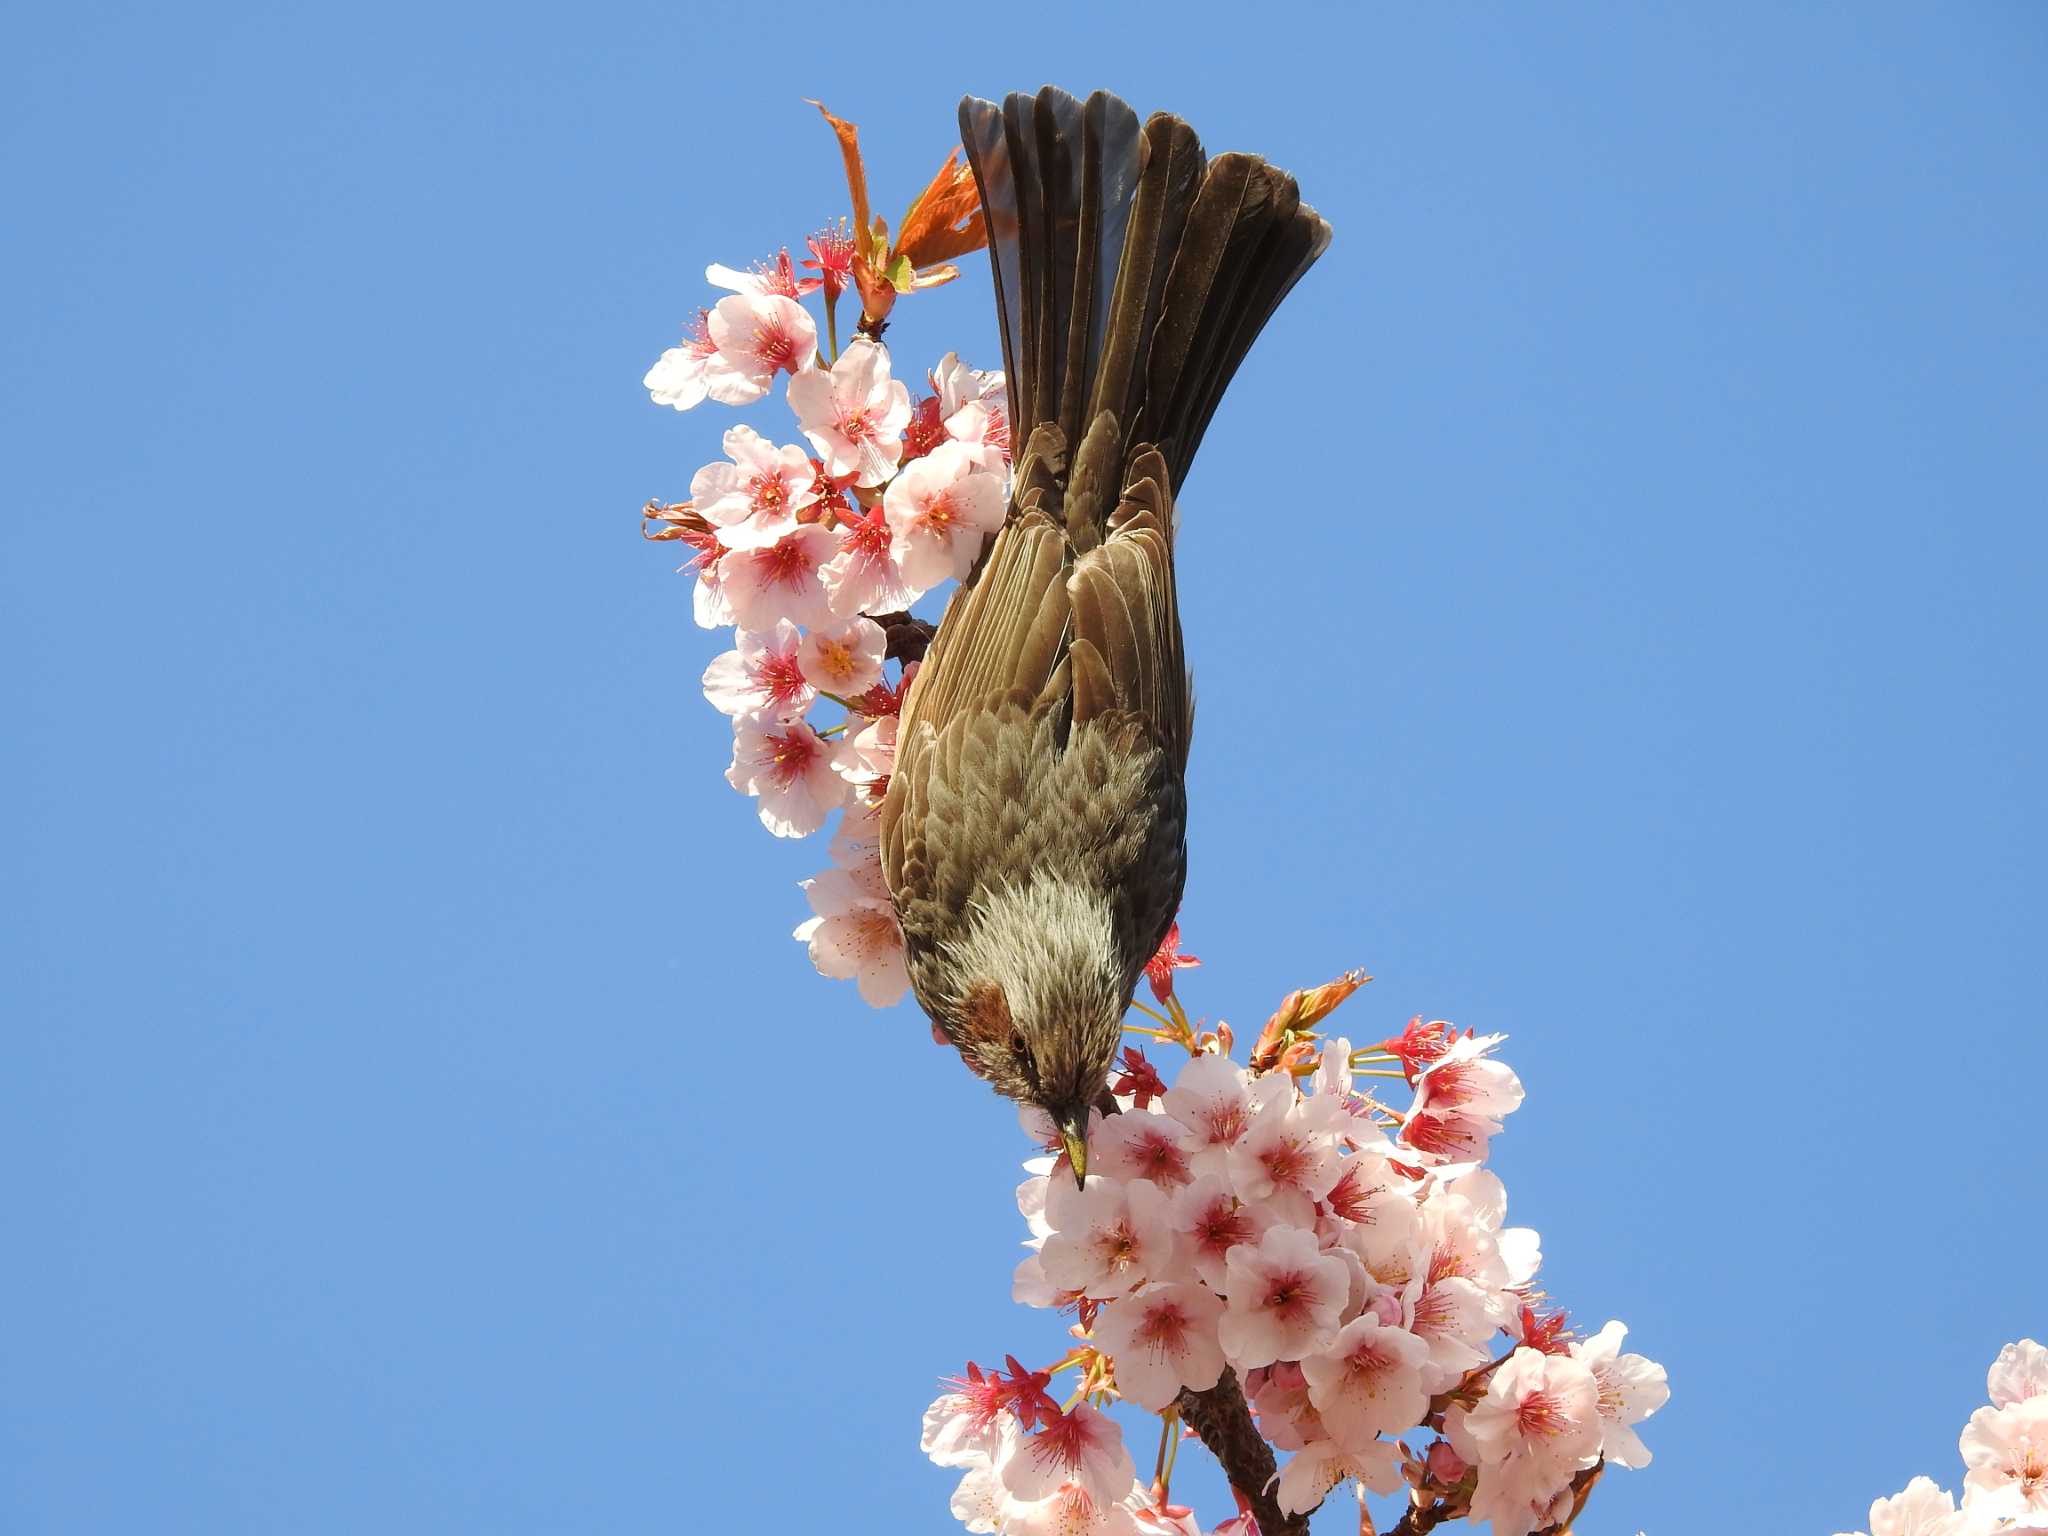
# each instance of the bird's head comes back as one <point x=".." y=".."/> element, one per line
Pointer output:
<point x="1038" y="992"/>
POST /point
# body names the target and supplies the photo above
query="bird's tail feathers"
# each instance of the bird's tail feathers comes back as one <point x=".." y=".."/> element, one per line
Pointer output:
<point x="1132" y="275"/>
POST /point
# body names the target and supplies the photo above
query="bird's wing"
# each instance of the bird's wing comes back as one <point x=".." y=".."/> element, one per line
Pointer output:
<point x="1004" y="631"/>
<point x="1125" y="654"/>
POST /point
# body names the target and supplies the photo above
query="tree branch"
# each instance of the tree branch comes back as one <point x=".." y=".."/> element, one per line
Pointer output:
<point x="1223" y="1420"/>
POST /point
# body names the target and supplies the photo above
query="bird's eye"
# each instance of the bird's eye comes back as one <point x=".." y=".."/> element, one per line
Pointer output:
<point x="1017" y="1046"/>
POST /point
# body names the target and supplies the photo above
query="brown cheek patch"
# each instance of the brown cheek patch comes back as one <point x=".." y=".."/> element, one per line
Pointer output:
<point x="985" y="1015"/>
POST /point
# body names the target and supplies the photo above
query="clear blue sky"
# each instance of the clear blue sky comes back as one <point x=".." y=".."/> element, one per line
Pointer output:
<point x="1615" y="587"/>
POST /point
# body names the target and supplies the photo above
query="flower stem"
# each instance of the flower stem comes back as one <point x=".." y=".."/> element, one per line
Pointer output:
<point x="1169" y="1441"/>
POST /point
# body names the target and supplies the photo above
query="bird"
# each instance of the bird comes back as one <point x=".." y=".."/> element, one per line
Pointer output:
<point x="1033" y="832"/>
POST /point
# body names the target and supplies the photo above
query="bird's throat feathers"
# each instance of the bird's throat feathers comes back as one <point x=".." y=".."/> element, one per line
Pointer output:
<point x="1040" y="990"/>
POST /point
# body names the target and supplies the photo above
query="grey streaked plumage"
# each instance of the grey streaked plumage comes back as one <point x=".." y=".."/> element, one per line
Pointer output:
<point x="1034" y="831"/>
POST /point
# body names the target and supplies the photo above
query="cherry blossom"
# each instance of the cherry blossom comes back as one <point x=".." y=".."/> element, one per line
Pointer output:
<point x="1284" y="1298"/>
<point x="1080" y="1448"/>
<point x="2006" y="1451"/>
<point x="1211" y="1221"/>
<point x="1211" y="1099"/>
<point x="1631" y="1389"/>
<point x="1142" y="1146"/>
<point x="965" y="1426"/>
<point x="779" y="582"/>
<point x="789" y="767"/>
<point x="684" y="376"/>
<point x="1539" y="1420"/>
<point x="1070" y="1510"/>
<point x="761" y="675"/>
<point x="1168" y="959"/>
<point x="979" y="1502"/>
<point x="1922" y="1509"/>
<point x="1317" y="1468"/>
<point x="1107" y="1236"/>
<point x="846" y="660"/>
<point x="754" y="500"/>
<point x="1368" y="1382"/>
<point x="854" y="934"/>
<point x="854" y="415"/>
<point x="767" y="277"/>
<point x="1286" y="1414"/>
<point x="759" y="336"/>
<point x="2019" y="1372"/>
<point x="1288" y="1156"/>
<point x="862" y="576"/>
<point x="1162" y="1338"/>
<point x="940" y="510"/>
<point x="831" y="258"/>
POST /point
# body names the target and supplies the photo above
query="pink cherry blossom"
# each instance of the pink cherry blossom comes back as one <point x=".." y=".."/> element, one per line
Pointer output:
<point x="1162" y="1338"/>
<point x="1317" y="1468"/>
<point x="789" y="767"/>
<point x="1211" y="1221"/>
<point x="941" y="509"/>
<point x="1106" y="1237"/>
<point x="759" y="336"/>
<point x="1070" y="1510"/>
<point x="754" y="500"/>
<point x="708" y="601"/>
<point x="1287" y="1418"/>
<point x="1460" y="1098"/>
<point x="866" y="757"/>
<point x="1453" y="1318"/>
<point x="1631" y="1389"/>
<point x="1288" y="1157"/>
<point x="862" y="576"/>
<point x="974" y="408"/>
<point x="1368" y="1382"/>
<point x="1285" y="1298"/>
<point x="761" y="675"/>
<point x="684" y="376"/>
<point x="779" y="582"/>
<point x="1922" y="1509"/>
<point x="1543" y="1407"/>
<point x="766" y="277"/>
<point x="1081" y="1447"/>
<point x="1144" y="1146"/>
<point x="1167" y="959"/>
<point x="845" y="660"/>
<point x="854" y="414"/>
<point x="964" y="1427"/>
<point x="979" y="1502"/>
<point x="855" y="934"/>
<point x="2019" y="1372"/>
<point x="831" y="258"/>
<point x="2006" y="1450"/>
<point x="1210" y="1098"/>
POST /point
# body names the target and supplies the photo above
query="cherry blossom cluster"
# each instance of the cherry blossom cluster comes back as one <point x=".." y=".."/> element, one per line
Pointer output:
<point x="810" y="551"/>
<point x="2005" y="1456"/>
<point x="1349" y="1262"/>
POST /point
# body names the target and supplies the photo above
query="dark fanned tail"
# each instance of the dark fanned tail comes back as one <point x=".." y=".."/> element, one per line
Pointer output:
<point x="1132" y="274"/>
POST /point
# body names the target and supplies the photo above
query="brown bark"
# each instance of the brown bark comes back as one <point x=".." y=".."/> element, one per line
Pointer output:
<point x="1223" y="1420"/>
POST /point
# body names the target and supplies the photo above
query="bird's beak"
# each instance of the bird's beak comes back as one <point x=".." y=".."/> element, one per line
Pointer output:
<point x="1074" y="1133"/>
